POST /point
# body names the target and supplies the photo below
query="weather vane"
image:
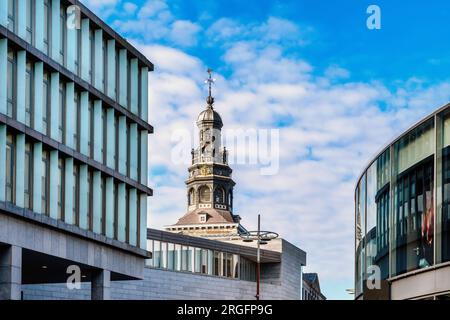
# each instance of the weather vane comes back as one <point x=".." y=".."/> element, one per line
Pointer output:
<point x="210" y="81"/>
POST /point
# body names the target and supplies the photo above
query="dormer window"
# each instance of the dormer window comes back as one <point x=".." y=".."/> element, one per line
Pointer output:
<point x="202" y="218"/>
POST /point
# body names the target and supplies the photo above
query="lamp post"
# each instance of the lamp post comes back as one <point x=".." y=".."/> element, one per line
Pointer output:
<point x="262" y="237"/>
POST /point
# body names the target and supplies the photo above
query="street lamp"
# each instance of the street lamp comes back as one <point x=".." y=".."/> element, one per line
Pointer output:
<point x="262" y="238"/>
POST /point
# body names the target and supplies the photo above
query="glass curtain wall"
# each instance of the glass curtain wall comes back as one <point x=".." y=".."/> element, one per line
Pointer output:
<point x="413" y="225"/>
<point x="178" y="257"/>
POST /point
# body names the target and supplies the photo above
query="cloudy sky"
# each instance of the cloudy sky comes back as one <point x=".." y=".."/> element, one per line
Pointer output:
<point x="336" y="91"/>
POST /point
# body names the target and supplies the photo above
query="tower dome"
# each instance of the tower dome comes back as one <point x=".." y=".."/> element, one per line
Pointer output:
<point x="210" y="116"/>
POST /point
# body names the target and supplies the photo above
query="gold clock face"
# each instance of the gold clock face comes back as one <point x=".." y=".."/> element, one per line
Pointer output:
<point x="204" y="171"/>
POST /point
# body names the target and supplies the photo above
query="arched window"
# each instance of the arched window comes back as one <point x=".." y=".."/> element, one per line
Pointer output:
<point x="219" y="195"/>
<point x="230" y="198"/>
<point x="205" y="194"/>
<point x="191" y="199"/>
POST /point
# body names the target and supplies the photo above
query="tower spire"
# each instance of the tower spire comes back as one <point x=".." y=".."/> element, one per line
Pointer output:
<point x="210" y="81"/>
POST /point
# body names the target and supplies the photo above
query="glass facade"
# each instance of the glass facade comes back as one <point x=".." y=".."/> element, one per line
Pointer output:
<point x="93" y="135"/>
<point x="177" y="257"/>
<point x="402" y="211"/>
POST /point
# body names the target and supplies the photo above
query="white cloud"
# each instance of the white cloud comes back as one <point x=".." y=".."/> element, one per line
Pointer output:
<point x="155" y="21"/>
<point x="130" y="8"/>
<point x="184" y="33"/>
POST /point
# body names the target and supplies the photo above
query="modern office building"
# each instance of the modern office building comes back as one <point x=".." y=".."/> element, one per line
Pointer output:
<point x="402" y="216"/>
<point x="73" y="148"/>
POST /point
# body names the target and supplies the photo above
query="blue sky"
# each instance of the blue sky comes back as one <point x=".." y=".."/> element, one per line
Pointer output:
<point x="336" y="90"/>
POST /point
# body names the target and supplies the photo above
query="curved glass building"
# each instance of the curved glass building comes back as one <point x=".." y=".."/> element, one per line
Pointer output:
<point x="402" y="216"/>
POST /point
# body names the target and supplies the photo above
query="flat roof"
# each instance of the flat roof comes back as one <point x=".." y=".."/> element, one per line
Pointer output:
<point x="246" y="251"/>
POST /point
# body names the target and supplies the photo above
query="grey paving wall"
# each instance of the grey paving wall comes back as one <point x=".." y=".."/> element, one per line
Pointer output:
<point x="161" y="284"/>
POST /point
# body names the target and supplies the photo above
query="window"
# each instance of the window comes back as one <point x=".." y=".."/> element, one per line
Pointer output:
<point x="45" y="100"/>
<point x="226" y="264"/>
<point x="217" y="263"/>
<point x="128" y="106"/>
<point x="117" y="89"/>
<point x="77" y="56"/>
<point x="177" y="257"/>
<point x="235" y="267"/>
<point x="60" y="189"/>
<point x="156" y="254"/>
<point x="191" y="199"/>
<point x="30" y="10"/>
<point x="28" y="176"/>
<point x="45" y="181"/>
<point x="139" y="92"/>
<point x="62" y="111"/>
<point x="103" y="140"/>
<point x="171" y="256"/>
<point x="219" y="195"/>
<point x="103" y="208"/>
<point x="89" y="205"/>
<point x="10" y="168"/>
<point x="185" y="258"/>
<point x="116" y="144"/>
<point x="116" y="212"/>
<point x="63" y="30"/>
<point x="75" y="117"/>
<point x="198" y="260"/>
<point x="105" y="66"/>
<point x="28" y="94"/>
<point x="75" y="195"/>
<point x="164" y="255"/>
<point x="92" y="64"/>
<point x="12" y="15"/>
<point x="205" y="194"/>
<point x="90" y="133"/>
<point x="127" y="158"/>
<point x="203" y="218"/>
<point x="47" y="25"/>
<point x="202" y="260"/>
<point x="11" y="83"/>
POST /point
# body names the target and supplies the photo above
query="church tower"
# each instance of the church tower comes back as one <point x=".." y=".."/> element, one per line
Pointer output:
<point x="209" y="184"/>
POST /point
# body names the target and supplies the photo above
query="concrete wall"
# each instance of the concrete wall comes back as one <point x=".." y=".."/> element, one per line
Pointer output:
<point x="422" y="283"/>
<point x="55" y="243"/>
<point x="165" y="285"/>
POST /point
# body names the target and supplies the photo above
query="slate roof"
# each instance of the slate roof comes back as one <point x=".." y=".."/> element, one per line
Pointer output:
<point x="214" y="216"/>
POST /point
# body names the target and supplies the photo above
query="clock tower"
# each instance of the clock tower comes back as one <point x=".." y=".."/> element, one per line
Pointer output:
<point x="209" y="184"/>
